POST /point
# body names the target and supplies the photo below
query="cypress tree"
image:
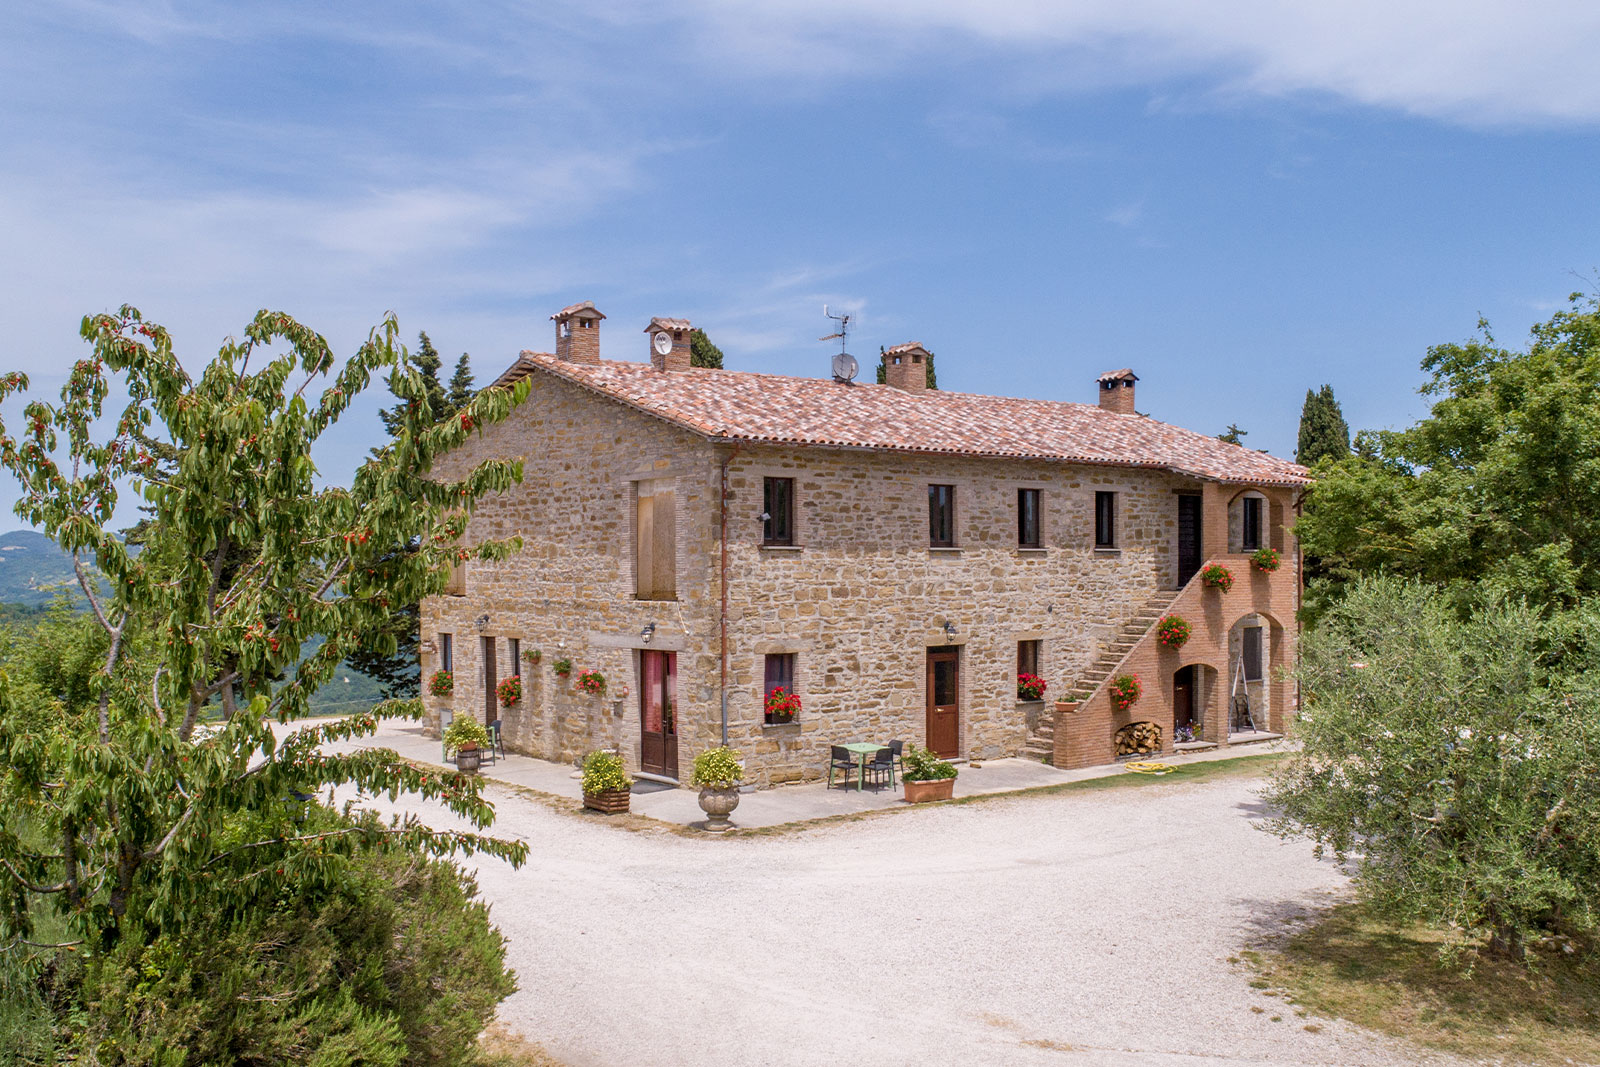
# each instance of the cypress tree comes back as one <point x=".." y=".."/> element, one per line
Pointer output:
<point x="702" y="353"/>
<point x="1323" y="431"/>
<point x="461" y="391"/>
<point x="427" y="363"/>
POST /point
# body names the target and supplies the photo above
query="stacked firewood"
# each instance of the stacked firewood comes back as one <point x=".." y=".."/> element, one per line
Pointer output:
<point x="1138" y="738"/>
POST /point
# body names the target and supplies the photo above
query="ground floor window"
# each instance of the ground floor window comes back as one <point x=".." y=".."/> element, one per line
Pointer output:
<point x="1029" y="680"/>
<point x="514" y="646"/>
<point x="1252" y="653"/>
<point x="779" y="676"/>
<point x="447" y="658"/>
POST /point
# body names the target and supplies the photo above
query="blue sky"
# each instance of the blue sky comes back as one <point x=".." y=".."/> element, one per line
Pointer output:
<point x="1239" y="202"/>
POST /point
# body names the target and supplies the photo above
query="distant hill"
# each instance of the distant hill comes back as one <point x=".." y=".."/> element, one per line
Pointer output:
<point x="33" y="570"/>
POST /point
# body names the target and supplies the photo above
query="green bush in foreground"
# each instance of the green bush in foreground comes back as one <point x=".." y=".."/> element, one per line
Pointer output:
<point x="1457" y="759"/>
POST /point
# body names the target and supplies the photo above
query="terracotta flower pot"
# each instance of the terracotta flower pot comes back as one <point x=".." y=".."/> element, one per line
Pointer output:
<point x="717" y="804"/>
<point x="936" y="789"/>
<point x="610" y="801"/>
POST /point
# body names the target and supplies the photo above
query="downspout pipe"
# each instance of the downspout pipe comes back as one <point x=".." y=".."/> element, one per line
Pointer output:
<point x="723" y="623"/>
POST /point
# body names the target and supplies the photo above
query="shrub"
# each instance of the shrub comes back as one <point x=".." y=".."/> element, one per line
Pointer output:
<point x="593" y="683"/>
<point x="442" y="683"/>
<point x="383" y="959"/>
<point x="1265" y="559"/>
<point x="1173" y="631"/>
<point x="1030" y="686"/>
<point x="717" y="768"/>
<point x="1217" y="576"/>
<point x="464" y="730"/>
<point x="603" y="772"/>
<point x="509" y="691"/>
<point x="1125" y="691"/>
<point x="923" y="766"/>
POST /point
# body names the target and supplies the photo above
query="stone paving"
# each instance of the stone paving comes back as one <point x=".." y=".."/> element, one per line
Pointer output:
<point x="781" y="805"/>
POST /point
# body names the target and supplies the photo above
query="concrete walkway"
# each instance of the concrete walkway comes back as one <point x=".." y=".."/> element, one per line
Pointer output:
<point x="783" y="804"/>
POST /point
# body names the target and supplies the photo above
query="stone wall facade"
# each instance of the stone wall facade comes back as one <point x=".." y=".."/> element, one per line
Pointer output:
<point x="859" y="598"/>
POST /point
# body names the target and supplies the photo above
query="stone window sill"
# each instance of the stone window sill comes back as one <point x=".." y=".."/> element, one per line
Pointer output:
<point x="1033" y="552"/>
<point x="1028" y="703"/>
<point x="944" y="550"/>
<point x="1103" y="550"/>
<point x="780" y="727"/>
<point x="782" y="548"/>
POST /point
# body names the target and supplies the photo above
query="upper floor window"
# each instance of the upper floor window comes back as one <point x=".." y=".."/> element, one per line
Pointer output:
<point x="457" y="585"/>
<point x="1250" y="523"/>
<point x="514" y="647"/>
<point x="1105" y="520"/>
<point x="655" y="542"/>
<point x="447" y="652"/>
<point x="777" y="511"/>
<point x="941" y="516"/>
<point x="1028" y="518"/>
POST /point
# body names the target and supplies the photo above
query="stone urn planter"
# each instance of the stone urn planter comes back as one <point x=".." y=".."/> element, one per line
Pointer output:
<point x="718" y="804"/>
<point x="468" y="757"/>
<point x="923" y="792"/>
<point x="610" y="801"/>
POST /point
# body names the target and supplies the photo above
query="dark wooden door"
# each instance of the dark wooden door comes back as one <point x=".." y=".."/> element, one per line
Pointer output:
<point x="944" y="702"/>
<point x="1183" y="697"/>
<point x="1189" y="559"/>
<point x="491" y="704"/>
<point x="658" y="713"/>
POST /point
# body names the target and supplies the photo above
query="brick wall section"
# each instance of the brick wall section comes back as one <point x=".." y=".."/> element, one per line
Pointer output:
<point x="1084" y="732"/>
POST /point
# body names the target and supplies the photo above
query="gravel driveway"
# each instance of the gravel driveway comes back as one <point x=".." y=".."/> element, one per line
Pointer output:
<point x="1089" y="927"/>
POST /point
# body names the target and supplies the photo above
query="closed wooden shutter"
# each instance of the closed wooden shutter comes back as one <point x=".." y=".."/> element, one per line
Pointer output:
<point x="655" y="543"/>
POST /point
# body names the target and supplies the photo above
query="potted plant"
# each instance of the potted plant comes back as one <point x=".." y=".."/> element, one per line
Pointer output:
<point x="562" y="666"/>
<point x="782" y="705"/>
<point x="1030" y="686"/>
<point x="593" y="683"/>
<point x="606" y="785"/>
<point x="718" y="774"/>
<point x="442" y="683"/>
<point x="1266" y="560"/>
<point x="1173" y="631"/>
<point x="1217" y="576"/>
<point x="468" y="737"/>
<point x="532" y="656"/>
<point x="927" y="777"/>
<point x="509" y="691"/>
<point x="1125" y="691"/>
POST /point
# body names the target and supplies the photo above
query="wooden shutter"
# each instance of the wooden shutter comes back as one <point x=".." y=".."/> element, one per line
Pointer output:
<point x="655" y="543"/>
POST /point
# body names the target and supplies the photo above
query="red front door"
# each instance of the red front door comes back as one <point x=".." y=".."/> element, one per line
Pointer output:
<point x="658" y="713"/>
<point x="944" y="702"/>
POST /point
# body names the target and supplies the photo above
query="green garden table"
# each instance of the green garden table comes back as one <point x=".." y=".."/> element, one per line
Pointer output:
<point x="862" y="750"/>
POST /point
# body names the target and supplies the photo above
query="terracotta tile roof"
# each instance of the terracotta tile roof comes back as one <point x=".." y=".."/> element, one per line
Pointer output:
<point x="572" y="309"/>
<point x="909" y="346"/>
<point x="1117" y="375"/>
<point x="777" y="409"/>
<point x="668" y="324"/>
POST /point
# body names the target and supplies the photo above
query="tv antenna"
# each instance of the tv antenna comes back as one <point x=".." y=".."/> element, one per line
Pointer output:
<point x="845" y="367"/>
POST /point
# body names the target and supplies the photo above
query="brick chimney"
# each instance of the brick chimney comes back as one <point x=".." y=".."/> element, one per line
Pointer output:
<point x="906" y="367"/>
<point x="674" y="334"/>
<point x="578" y="333"/>
<point x="1116" y="391"/>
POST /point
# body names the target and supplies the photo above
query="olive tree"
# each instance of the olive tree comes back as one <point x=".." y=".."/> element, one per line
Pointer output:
<point x="1455" y="759"/>
<point x="130" y="810"/>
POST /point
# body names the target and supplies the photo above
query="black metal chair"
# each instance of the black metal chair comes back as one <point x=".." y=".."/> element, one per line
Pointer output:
<point x="881" y="766"/>
<point x="842" y="759"/>
<point x="898" y="748"/>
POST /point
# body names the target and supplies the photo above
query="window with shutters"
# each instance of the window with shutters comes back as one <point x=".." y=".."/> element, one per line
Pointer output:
<point x="777" y="511"/>
<point x="941" y="516"/>
<point x="1105" y="520"/>
<point x="655" y="542"/>
<point x="457" y="585"/>
<point x="1028" y="518"/>
<point x="514" y="646"/>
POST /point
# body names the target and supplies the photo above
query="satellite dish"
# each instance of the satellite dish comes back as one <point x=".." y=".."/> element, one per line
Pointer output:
<point x="845" y="367"/>
<point x="663" y="343"/>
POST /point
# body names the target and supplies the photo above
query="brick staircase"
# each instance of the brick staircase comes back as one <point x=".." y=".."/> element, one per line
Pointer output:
<point x="1041" y="744"/>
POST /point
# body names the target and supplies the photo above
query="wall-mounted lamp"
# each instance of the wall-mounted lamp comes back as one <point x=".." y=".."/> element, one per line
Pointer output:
<point x="482" y="621"/>
<point x="648" y="632"/>
<point x="949" y="629"/>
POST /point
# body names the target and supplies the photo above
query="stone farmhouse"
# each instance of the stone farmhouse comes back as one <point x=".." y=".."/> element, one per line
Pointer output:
<point x="893" y="555"/>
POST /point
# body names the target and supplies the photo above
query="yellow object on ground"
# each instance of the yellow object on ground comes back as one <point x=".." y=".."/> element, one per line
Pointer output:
<point x="1146" y="767"/>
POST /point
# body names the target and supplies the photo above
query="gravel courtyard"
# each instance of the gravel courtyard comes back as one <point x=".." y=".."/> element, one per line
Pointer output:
<point x="1090" y="927"/>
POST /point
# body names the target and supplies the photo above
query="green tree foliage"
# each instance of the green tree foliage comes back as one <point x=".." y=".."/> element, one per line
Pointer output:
<point x="1233" y="435"/>
<point x="390" y="960"/>
<point x="461" y="391"/>
<point x="1499" y="485"/>
<point x="702" y="353"/>
<point x="1456" y="757"/>
<point x="129" y="807"/>
<point x="426" y="362"/>
<point x="1323" y="431"/>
